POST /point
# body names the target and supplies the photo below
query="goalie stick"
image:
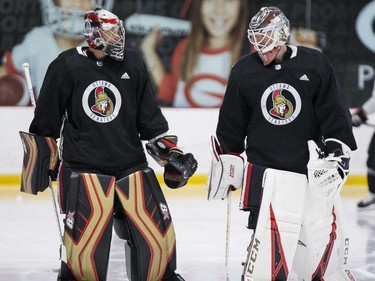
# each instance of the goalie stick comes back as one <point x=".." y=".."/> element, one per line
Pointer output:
<point x="227" y="238"/>
<point x="26" y="68"/>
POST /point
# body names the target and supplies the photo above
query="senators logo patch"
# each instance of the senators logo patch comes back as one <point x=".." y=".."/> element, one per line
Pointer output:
<point x="281" y="104"/>
<point x="101" y="101"/>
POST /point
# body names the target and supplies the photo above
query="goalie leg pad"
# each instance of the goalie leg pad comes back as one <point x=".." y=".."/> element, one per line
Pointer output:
<point x="40" y="159"/>
<point x="148" y="223"/>
<point x="88" y="226"/>
<point x="64" y="179"/>
<point x="274" y="242"/>
<point x="324" y="246"/>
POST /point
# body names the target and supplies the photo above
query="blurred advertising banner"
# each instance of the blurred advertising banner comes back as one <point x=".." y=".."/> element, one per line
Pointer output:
<point x="187" y="45"/>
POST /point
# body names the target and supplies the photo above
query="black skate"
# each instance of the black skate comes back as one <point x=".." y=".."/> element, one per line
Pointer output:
<point x="174" y="277"/>
<point x="368" y="202"/>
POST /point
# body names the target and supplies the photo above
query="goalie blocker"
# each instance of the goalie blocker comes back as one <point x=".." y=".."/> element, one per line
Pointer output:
<point x="226" y="172"/>
<point x="40" y="161"/>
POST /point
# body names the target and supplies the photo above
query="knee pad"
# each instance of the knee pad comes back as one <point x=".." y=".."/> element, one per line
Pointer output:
<point x="151" y="248"/>
<point x="88" y="225"/>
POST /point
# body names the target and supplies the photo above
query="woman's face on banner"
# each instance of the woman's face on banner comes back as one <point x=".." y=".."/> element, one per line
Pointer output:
<point x="220" y="16"/>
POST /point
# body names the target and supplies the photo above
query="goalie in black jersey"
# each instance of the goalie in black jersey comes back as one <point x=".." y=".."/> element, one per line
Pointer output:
<point x="98" y="100"/>
<point x="285" y="109"/>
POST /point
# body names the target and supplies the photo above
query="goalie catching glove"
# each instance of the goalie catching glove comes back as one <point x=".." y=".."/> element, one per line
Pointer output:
<point x="328" y="171"/>
<point x="226" y="172"/>
<point x="178" y="166"/>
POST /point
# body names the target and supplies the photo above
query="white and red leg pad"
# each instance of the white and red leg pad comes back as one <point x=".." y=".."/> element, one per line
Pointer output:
<point x="323" y="248"/>
<point x="271" y="253"/>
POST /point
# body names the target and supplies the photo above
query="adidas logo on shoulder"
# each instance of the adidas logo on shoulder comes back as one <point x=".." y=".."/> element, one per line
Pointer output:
<point x="125" y="76"/>
<point x="304" y="78"/>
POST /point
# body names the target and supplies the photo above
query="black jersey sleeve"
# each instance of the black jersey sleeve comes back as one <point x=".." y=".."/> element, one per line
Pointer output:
<point x="234" y="116"/>
<point x="330" y="106"/>
<point x="51" y="101"/>
<point x="150" y="120"/>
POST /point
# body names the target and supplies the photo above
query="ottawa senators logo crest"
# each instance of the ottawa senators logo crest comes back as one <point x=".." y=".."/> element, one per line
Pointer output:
<point x="281" y="104"/>
<point x="101" y="101"/>
<point x="103" y="104"/>
<point x="282" y="107"/>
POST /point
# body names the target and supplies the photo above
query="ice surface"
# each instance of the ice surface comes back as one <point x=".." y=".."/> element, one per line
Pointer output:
<point x="29" y="240"/>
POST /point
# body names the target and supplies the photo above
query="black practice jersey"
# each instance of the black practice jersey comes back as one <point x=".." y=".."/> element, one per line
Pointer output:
<point x="104" y="108"/>
<point x="272" y="111"/>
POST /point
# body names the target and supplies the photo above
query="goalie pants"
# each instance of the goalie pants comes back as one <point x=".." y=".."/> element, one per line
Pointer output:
<point x="132" y="201"/>
<point x="371" y="165"/>
<point x="293" y="229"/>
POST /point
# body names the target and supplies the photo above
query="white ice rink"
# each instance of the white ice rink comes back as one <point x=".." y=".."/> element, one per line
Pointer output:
<point x="29" y="239"/>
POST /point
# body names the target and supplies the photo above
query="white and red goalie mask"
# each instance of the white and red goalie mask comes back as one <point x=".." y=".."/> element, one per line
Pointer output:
<point x="268" y="30"/>
<point x="105" y="31"/>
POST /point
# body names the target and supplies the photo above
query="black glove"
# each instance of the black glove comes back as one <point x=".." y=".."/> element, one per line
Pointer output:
<point x="359" y="117"/>
<point x="179" y="169"/>
<point x="178" y="166"/>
